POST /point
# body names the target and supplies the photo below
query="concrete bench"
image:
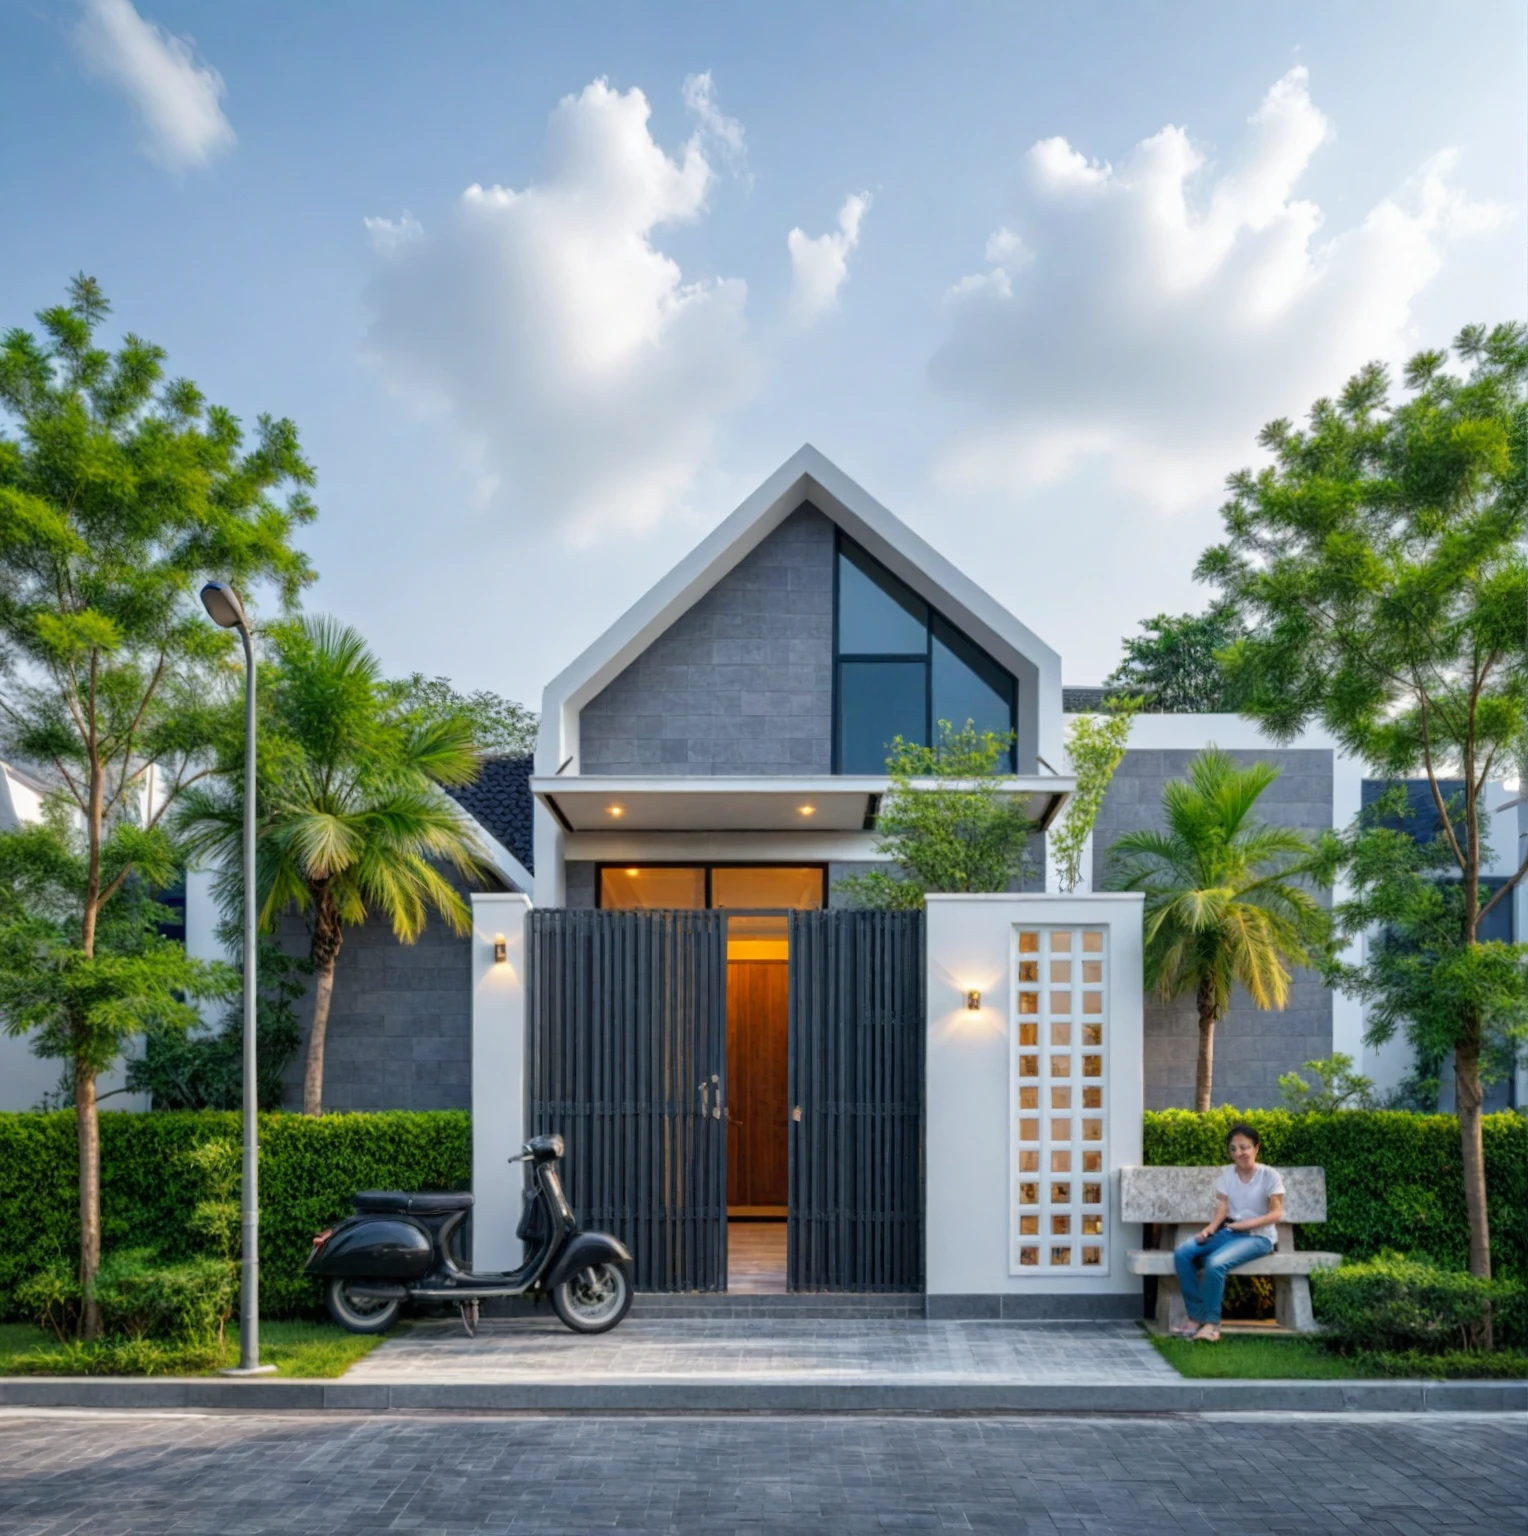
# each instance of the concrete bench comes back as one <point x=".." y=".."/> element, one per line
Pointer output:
<point x="1180" y="1201"/>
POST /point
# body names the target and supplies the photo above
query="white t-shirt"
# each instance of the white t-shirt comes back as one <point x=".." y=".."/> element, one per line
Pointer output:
<point x="1249" y="1199"/>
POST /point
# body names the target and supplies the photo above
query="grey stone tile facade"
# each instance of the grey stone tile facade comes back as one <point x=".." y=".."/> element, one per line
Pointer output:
<point x="400" y="1024"/>
<point x="740" y="684"/>
<point x="1252" y="1047"/>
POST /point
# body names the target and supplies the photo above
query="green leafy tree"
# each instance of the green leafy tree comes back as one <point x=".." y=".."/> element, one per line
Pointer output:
<point x="1337" y="1086"/>
<point x="351" y="816"/>
<point x="947" y="822"/>
<point x="1380" y="563"/>
<point x="202" y="1070"/>
<point x="1095" y="747"/>
<point x="121" y="491"/>
<point x="1225" y="902"/>
<point x="500" y="726"/>
<point x="1418" y="974"/>
<point x="1175" y="663"/>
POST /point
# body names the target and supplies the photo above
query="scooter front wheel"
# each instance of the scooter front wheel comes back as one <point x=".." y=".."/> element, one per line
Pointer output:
<point x="360" y="1314"/>
<point x="595" y="1299"/>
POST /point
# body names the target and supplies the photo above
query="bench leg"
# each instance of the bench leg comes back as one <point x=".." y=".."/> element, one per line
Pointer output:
<point x="1170" y="1309"/>
<point x="1291" y="1303"/>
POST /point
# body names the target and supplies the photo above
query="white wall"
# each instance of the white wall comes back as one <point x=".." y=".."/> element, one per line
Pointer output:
<point x="498" y="1076"/>
<point x="971" y="1092"/>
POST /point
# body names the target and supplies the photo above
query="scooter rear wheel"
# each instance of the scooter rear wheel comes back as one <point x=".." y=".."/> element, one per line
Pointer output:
<point x="360" y="1314"/>
<point x="595" y="1299"/>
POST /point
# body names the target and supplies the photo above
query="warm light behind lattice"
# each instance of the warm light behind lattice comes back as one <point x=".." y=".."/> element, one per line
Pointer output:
<point x="1059" y="1105"/>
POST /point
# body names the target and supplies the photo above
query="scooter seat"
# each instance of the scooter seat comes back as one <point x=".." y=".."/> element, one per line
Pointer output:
<point x="428" y="1203"/>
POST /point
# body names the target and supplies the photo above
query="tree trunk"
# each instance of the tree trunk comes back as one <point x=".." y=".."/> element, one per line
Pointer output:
<point x="1467" y="1099"/>
<point x="1205" y="1073"/>
<point x="328" y="934"/>
<point x="86" y="1116"/>
<point x="88" y="1129"/>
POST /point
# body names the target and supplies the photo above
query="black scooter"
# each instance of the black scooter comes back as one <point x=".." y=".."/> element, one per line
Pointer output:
<point x="398" y="1247"/>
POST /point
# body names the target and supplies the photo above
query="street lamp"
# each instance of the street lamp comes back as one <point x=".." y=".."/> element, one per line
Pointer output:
<point x="222" y="603"/>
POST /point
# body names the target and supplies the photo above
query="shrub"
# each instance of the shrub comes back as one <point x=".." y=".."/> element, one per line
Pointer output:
<point x="1392" y="1303"/>
<point x="1393" y="1179"/>
<point x="141" y="1297"/>
<point x="152" y="1186"/>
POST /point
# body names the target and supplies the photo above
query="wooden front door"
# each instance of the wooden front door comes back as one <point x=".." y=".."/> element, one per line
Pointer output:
<point x="758" y="1043"/>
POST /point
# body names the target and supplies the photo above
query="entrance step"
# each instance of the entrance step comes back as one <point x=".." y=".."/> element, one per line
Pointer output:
<point x="804" y="1305"/>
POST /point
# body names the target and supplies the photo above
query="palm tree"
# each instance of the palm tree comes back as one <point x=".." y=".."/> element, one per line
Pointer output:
<point x="351" y="815"/>
<point x="1224" y="902"/>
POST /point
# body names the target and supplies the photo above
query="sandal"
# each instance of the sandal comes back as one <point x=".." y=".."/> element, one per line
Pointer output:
<point x="1209" y="1334"/>
<point x="1186" y="1330"/>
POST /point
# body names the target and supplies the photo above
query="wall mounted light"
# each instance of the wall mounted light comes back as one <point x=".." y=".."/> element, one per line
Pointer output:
<point x="500" y="949"/>
<point x="974" y="1000"/>
<point x="808" y="810"/>
<point x="615" y="810"/>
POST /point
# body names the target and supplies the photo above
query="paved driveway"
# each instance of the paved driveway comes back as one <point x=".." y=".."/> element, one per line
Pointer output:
<point x="445" y="1476"/>
<point x="779" y="1349"/>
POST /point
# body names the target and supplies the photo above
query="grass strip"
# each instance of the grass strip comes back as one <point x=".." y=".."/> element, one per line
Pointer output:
<point x="305" y="1350"/>
<point x="1237" y="1357"/>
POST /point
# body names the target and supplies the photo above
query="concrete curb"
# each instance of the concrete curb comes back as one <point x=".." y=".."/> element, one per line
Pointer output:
<point x="657" y="1395"/>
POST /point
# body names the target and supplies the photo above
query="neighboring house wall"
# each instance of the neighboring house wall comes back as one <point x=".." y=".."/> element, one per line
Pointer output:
<point x="1252" y="1046"/>
<point x="400" y="1024"/>
<point x="741" y="683"/>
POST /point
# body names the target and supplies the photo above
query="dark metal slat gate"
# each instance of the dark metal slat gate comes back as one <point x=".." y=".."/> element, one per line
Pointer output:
<point x="627" y="1016"/>
<point x="856" y="1091"/>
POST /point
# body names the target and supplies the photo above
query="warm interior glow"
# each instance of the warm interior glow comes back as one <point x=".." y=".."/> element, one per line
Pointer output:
<point x="766" y="886"/>
<point x="808" y="810"/>
<point x="615" y="810"/>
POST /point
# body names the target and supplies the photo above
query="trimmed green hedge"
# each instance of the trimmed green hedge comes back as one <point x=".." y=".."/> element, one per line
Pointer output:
<point x="309" y="1169"/>
<point x="1393" y="1179"/>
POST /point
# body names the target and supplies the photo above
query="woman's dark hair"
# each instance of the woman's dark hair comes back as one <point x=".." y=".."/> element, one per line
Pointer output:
<point x="1241" y="1128"/>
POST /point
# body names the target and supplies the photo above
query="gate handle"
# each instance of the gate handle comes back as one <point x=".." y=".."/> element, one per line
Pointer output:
<point x="796" y="1114"/>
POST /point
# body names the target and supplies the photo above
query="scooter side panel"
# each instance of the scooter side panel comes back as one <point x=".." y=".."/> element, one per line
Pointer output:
<point x="377" y="1248"/>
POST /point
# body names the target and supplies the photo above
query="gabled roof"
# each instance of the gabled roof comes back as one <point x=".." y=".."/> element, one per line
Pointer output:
<point x="807" y="477"/>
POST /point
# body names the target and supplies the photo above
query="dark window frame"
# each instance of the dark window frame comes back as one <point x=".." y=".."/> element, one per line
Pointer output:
<point x="933" y="616"/>
<point x="706" y="869"/>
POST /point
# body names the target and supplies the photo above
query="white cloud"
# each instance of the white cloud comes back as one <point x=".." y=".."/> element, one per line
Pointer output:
<point x="1158" y="313"/>
<point x="585" y="372"/>
<point x="820" y="265"/>
<point x="174" y="93"/>
<point x="724" y="134"/>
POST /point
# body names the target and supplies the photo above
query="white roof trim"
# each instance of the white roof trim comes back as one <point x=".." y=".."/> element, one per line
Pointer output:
<point x="806" y="476"/>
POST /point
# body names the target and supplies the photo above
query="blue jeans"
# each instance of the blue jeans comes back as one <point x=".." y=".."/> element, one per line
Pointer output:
<point x="1203" y="1267"/>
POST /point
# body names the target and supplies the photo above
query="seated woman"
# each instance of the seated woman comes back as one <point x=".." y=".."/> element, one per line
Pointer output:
<point x="1249" y="1202"/>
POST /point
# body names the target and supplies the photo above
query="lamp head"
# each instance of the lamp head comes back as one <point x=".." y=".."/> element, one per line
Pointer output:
<point x="223" y="605"/>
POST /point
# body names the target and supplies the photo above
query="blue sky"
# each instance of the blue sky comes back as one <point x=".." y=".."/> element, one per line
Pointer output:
<point x="1053" y="267"/>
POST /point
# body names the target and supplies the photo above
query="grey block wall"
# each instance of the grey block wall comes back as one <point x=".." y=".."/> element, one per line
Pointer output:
<point x="1252" y="1047"/>
<point x="740" y="684"/>
<point x="400" y="1024"/>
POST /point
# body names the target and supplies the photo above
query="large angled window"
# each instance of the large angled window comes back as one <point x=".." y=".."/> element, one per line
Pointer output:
<point x="901" y="668"/>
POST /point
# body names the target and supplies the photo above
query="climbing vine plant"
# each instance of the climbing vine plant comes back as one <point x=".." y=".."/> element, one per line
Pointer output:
<point x="1096" y="745"/>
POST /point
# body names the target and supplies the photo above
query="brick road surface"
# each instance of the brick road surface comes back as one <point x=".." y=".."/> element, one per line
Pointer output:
<point x="237" y="1475"/>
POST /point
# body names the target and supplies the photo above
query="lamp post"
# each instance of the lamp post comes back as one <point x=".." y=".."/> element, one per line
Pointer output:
<point x="222" y="603"/>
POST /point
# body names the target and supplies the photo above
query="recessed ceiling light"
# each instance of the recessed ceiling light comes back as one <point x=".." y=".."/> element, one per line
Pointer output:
<point x="615" y="810"/>
<point x="808" y="810"/>
<point x="632" y="873"/>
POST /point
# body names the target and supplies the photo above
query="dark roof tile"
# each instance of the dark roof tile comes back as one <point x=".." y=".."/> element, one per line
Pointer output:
<point x="499" y="799"/>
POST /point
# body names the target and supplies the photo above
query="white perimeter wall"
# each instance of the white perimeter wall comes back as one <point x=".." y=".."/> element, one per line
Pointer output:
<point x="498" y="1076"/>
<point x="971" y="1093"/>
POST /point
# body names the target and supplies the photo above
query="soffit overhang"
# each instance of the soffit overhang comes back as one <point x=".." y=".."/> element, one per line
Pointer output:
<point x="838" y="803"/>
